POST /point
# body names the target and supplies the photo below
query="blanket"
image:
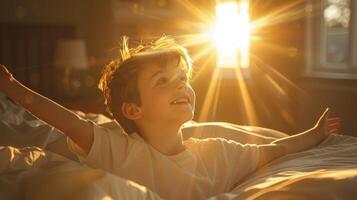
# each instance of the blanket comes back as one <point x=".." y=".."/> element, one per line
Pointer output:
<point x="328" y="171"/>
<point x="35" y="174"/>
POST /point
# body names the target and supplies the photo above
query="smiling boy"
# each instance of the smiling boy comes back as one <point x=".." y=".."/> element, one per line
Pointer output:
<point x="147" y="92"/>
<point x="167" y="103"/>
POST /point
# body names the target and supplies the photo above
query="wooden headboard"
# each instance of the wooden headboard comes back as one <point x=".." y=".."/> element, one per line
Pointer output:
<point x="28" y="49"/>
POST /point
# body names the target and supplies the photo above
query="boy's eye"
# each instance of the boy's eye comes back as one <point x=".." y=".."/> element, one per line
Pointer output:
<point x="162" y="81"/>
<point x="166" y="79"/>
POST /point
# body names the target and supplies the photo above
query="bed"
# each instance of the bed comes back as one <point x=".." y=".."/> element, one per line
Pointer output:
<point x="36" y="164"/>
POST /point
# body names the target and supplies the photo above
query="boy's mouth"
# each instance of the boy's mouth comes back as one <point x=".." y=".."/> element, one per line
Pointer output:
<point x="181" y="101"/>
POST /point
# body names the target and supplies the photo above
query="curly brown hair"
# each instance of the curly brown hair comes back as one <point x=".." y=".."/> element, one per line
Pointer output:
<point x="119" y="80"/>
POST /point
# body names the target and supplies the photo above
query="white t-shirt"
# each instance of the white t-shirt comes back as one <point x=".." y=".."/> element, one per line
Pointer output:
<point x="206" y="168"/>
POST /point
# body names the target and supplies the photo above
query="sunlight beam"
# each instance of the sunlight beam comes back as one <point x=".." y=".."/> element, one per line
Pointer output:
<point x="248" y="106"/>
<point x="210" y="100"/>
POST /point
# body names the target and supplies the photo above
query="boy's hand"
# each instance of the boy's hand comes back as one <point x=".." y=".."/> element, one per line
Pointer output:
<point x="326" y="125"/>
<point x="5" y="75"/>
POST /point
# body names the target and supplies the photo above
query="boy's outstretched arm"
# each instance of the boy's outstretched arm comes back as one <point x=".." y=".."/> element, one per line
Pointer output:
<point x="300" y="142"/>
<point x="224" y="130"/>
<point x="78" y="129"/>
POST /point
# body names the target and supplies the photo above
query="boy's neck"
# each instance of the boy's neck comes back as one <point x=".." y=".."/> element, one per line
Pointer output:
<point x="166" y="139"/>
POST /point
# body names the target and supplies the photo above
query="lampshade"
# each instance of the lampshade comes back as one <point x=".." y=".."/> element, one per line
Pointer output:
<point x="71" y="54"/>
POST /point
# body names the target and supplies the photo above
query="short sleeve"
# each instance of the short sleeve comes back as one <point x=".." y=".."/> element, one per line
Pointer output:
<point x="245" y="159"/>
<point x="108" y="150"/>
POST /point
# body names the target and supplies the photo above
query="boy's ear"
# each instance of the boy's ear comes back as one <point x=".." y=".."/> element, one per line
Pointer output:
<point x="131" y="111"/>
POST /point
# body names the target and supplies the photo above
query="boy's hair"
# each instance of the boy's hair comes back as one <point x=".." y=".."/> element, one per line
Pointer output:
<point x="119" y="80"/>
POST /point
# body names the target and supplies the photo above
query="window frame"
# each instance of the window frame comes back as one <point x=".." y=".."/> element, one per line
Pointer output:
<point x="315" y="64"/>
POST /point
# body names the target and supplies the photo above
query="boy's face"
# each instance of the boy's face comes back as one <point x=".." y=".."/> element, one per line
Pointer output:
<point x="166" y="96"/>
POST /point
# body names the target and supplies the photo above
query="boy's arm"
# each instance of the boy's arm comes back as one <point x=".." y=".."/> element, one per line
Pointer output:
<point x="225" y="131"/>
<point x="78" y="129"/>
<point x="301" y="141"/>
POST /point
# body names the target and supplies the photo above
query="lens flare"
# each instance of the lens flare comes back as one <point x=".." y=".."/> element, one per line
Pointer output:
<point x="230" y="33"/>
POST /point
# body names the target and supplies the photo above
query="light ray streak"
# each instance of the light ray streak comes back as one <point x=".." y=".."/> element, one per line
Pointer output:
<point x="202" y="15"/>
<point x="274" y="73"/>
<point x="248" y="106"/>
<point x="209" y="98"/>
<point x="281" y="15"/>
<point x="203" y="67"/>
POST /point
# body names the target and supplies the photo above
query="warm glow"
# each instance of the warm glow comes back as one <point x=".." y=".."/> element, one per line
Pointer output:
<point x="231" y="34"/>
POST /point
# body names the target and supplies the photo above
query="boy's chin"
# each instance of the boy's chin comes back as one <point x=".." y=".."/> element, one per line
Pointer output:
<point x="181" y="119"/>
<point x="185" y="120"/>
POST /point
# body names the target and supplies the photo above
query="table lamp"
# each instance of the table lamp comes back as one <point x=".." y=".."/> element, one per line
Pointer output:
<point x="71" y="64"/>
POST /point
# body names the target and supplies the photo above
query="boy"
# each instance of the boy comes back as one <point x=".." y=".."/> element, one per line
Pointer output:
<point x="148" y="93"/>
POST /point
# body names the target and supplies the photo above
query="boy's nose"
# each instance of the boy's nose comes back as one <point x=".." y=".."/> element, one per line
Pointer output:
<point x="180" y="85"/>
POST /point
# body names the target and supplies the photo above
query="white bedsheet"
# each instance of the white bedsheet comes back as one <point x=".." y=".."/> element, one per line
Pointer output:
<point x="328" y="171"/>
<point x="32" y="173"/>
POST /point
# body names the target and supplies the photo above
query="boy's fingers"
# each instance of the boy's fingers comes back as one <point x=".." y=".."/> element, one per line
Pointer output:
<point x="337" y="117"/>
<point x="4" y="69"/>
<point x="325" y="114"/>
<point x="332" y="123"/>
<point x="334" y="119"/>
<point x="334" y="131"/>
<point x="3" y="66"/>
<point x="334" y="126"/>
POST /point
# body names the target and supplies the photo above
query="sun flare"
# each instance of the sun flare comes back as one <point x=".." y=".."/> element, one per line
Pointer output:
<point x="225" y="36"/>
<point x="231" y="32"/>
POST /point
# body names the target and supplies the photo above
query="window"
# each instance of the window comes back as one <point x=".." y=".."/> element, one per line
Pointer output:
<point x="331" y="39"/>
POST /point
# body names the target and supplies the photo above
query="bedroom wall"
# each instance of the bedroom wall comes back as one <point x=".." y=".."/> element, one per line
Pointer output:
<point x="92" y="19"/>
<point x="281" y="46"/>
<point x="64" y="12"/>
<point x="286" y="53"/>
